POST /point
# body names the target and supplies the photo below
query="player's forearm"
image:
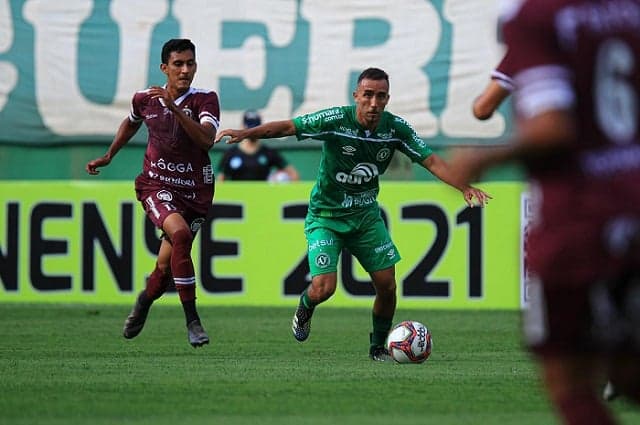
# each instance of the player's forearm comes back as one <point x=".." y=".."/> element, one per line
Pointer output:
<point x="445" y="173"/>
<point x="202" y="135"/>
<point x="271" y="130"/>
<point x="125" y="132"/>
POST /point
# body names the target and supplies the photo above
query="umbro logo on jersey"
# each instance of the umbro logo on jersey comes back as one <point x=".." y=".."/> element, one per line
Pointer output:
<point x="348" y="150"/>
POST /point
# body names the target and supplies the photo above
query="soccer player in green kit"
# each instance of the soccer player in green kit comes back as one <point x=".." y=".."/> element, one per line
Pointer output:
<point x="343" y="210"/>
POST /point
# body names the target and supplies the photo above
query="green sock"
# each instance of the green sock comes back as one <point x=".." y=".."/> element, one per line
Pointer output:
<point x="381" y="328"/>
<point x="306" y="301"/>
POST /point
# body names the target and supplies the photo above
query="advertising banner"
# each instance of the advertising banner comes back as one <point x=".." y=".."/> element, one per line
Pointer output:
<point x="91" y="243"/>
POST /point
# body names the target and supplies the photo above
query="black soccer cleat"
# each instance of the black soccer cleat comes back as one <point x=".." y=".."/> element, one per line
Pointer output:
<point x="301" y="324"/>
<point x="196" y="334"/>
<point x="379" y="354"/>
<point x="135" y="320"/>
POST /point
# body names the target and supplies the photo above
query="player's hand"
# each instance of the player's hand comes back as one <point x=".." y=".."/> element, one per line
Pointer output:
<point x="92" y="166"/>
<point x="481" y="197"/>
<point x="157" y="92"/>
<point x="229" y="136"/>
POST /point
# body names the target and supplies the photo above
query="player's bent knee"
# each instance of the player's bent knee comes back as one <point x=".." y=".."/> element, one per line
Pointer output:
<point x="182" y="237"/>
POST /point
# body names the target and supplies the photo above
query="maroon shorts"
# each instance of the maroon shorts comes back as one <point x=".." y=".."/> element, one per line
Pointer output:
<point x="159" y="204"/>
<point x="584" y="253"/>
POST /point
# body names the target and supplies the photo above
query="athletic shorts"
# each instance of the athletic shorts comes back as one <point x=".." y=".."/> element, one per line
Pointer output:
<point x="159" y="204"/>
<point x="363" y="234"/>
<point x="600" y="318"/>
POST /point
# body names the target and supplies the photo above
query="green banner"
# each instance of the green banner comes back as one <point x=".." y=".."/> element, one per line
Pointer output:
<point x="70" y="68"/>
<point x="91" y="243"/>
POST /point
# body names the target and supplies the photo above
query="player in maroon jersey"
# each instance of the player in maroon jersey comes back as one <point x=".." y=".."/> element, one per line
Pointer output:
<point x="176" y="185"/>
<point x="577" y="100"/>
<point x="497" y="90"/>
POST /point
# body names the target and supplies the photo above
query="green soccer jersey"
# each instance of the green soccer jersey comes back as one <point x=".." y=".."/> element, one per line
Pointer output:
<point x="353" y="158"/>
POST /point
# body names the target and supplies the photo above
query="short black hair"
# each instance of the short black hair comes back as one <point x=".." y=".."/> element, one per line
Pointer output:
<point x="373" y="74"/>
<point x="176" y="45"/>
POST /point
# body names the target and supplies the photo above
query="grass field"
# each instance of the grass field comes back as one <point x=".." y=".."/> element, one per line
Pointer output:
<point x="70" y="365"/>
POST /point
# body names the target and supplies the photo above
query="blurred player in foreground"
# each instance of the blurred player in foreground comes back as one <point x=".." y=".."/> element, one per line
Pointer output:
<point x="577" y="98"/>
<point x="497" y="90"/>
<point x="251" y="160"/>
<point x="176" y="185"/>
<point x="359" y="141"/>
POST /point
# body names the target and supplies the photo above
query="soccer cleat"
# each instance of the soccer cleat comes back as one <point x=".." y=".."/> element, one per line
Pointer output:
<point x="379" y="354"/>
<point x="197" y="335"/>
<point x="609" y="392"/>
<point x="301" y="325"/>
<point x="135" y="320"/>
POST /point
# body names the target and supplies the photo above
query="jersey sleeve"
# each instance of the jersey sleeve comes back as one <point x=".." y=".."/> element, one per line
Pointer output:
<point x="503" y="73"/>
<point x="210" y="110"/>
<point x="541" y="75"/>
<point x="135" y="113"/>
<point x="317" y="125"/>
<point x="411" y="144"/>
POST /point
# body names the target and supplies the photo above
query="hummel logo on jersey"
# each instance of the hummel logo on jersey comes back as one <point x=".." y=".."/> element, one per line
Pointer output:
<point x="348" y="150"/>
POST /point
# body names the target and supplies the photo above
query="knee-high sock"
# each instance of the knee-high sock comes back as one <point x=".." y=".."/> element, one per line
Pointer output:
<point x="157" y="284"/>
<point x="182" y="266"/>
<point x="381" y="327"/>
<point x="183" y="273"/>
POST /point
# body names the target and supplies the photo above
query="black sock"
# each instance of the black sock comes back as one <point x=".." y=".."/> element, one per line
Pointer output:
<point x="190" y="312"/>
<point x="144" y="300"/>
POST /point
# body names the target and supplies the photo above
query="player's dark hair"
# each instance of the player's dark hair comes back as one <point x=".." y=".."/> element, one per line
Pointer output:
<point x="176" y="45"/>
<point x="373" y="74"/>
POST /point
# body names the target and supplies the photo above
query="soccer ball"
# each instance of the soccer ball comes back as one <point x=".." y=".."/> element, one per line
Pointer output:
<point x="409" y="342"/>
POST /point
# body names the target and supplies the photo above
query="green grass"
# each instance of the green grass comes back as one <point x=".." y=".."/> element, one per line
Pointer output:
<point x="70" y="365"/>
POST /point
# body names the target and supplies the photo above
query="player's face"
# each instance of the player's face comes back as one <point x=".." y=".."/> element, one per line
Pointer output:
<point x="371" y="97"/>
<point x="180" y="70"/>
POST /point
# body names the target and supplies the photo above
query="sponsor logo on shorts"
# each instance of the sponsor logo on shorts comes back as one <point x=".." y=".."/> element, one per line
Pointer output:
<point x="164" y="195"/>
<point x="320" y="243"/>
<point x="391" y="253"/>
<point x="323" y="260"/>
<point x="383" y="247"/>
<point x="196" y="224"/>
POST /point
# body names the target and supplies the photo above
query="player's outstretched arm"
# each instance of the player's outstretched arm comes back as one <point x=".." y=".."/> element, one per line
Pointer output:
<point x="439" y="168"/>
<point x="125" y="132"/>
<point x="538" y="137"/>
<point x="269" y="130"/>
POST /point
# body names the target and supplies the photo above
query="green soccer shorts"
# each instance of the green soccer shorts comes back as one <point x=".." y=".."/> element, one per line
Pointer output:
<point x="363" y="233"/>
